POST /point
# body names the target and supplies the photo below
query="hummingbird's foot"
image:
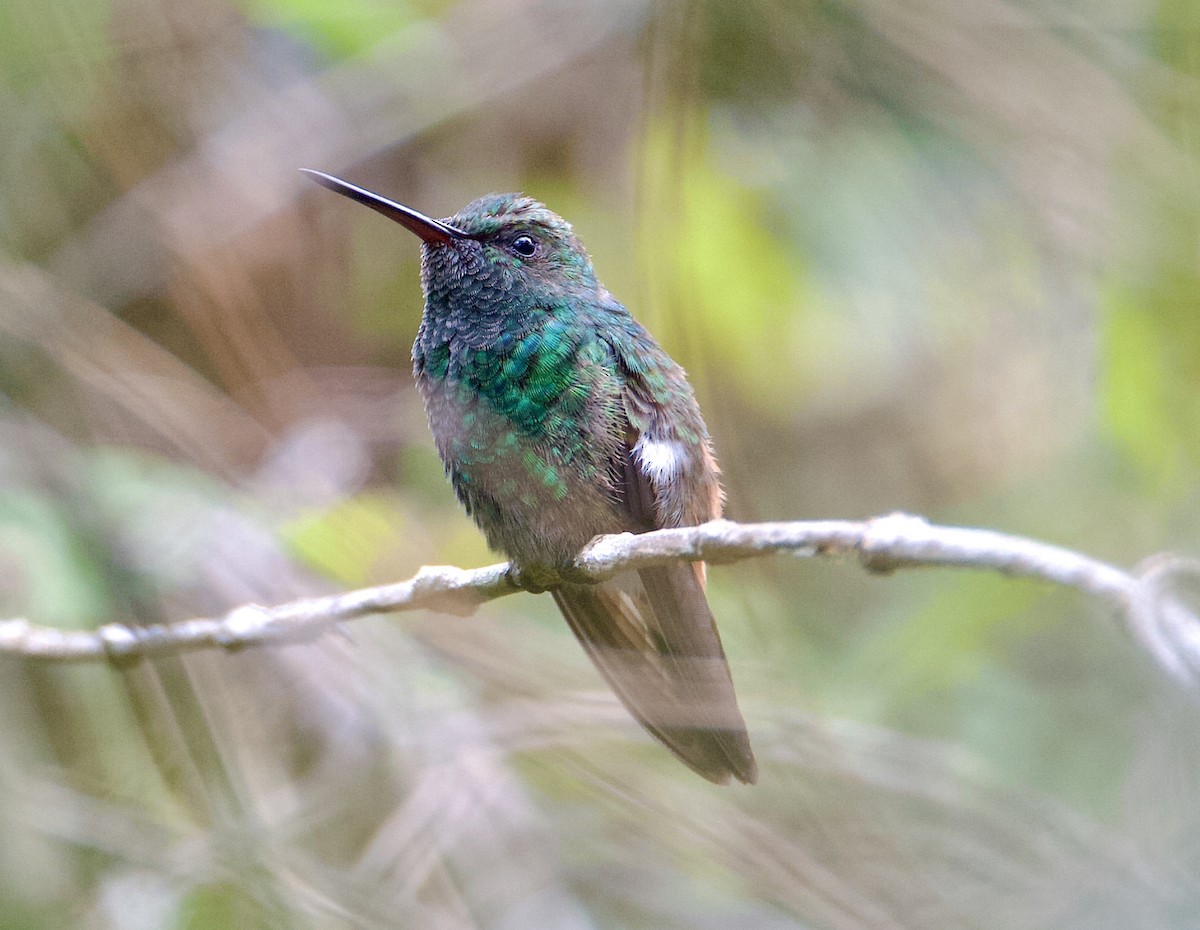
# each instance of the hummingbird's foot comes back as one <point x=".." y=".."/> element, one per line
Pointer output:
<point x="536" y="579"/>
<point x="572" y="573"/>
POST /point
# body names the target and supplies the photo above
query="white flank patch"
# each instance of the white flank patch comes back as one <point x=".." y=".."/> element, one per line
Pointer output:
<point x="660" y="459"/>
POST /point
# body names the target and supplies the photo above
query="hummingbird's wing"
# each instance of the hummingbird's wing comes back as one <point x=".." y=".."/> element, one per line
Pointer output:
<point x="651" y="633"/>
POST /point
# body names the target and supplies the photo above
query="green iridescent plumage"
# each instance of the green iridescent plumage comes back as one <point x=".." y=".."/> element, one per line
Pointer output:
<point x="559" y="418"/>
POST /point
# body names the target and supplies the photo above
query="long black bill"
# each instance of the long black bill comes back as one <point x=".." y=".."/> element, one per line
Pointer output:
<point x="427" y="228"/>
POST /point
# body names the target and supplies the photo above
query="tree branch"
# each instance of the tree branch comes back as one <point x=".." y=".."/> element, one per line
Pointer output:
<point x="1150" y="600"/>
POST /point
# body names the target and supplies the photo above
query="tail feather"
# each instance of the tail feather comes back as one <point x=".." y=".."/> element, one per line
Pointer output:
<point x="652" y="635"/>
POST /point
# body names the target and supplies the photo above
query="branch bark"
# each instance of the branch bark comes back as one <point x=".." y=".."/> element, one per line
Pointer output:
<point x="1151" y="600"/>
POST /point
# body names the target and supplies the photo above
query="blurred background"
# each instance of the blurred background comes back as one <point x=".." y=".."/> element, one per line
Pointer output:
<point x="936" y="255"/>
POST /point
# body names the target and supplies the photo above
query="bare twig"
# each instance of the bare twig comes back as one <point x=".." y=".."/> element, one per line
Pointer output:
<point x="1150" y="600"/>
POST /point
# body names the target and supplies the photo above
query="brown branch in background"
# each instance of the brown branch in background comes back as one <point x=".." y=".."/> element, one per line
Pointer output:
<point x="1150" y="600"/>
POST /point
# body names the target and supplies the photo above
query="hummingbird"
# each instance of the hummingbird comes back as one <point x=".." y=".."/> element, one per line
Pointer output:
<point x="558" y="418"/>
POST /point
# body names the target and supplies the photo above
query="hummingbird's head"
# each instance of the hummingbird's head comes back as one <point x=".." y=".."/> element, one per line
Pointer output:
<point x="515" y="242"/>
<point x="499" y="256"/>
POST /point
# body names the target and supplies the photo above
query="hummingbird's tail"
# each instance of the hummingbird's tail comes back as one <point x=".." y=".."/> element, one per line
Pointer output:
<point x="652" y="635"/>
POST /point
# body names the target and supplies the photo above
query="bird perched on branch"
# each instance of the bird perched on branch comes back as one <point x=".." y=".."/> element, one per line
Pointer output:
<point x="559" y="418"/>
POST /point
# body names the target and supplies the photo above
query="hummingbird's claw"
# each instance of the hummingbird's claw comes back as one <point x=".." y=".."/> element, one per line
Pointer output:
<point x="536" y="579"/>
<point x="575" y="575"/>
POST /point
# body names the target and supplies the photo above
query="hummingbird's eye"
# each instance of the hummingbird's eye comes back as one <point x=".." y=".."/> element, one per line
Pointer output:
<point x="524" y="245"/>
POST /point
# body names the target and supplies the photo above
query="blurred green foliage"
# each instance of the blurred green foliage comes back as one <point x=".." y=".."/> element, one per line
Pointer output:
<point x="338" y="32"/>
